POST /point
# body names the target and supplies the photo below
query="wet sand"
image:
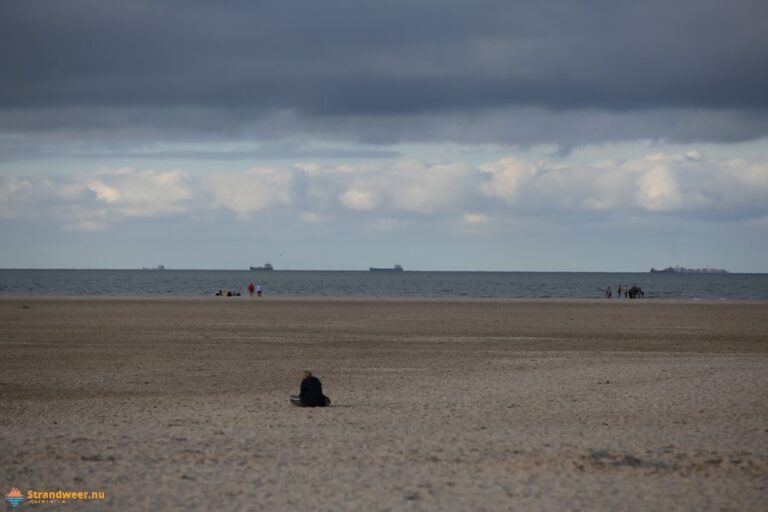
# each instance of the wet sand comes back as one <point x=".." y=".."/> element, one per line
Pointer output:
<point x="182" y="404"/>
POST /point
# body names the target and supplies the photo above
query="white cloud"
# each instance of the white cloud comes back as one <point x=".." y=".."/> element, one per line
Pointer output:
<point x="658" y="190"/>
<point x="356" y="199"/>
<point x="314" y="218"/>
<point x="510" y="188"/>
<point x="36" y="197"/>
<point x="104" y="192"/>
<point x="307" y="166"/>
<point x="752" y="176"/>
<point x="86" y="226"/>
<point x="410" y="187"/>
<point x="254" y="190"/>
<point x="654" y="183"/>
<point x="476" y="218"/>
<point x="432" y="189"/>
<point x="508" y="177"/>
<point x="12" y="190"/>
<point x="141" y="193"/>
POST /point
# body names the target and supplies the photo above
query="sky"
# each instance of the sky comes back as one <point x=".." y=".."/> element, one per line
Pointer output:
<point x="546" y="135"/>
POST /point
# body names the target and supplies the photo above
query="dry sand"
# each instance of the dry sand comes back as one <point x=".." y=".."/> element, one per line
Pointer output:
<point x="175" y="404"/>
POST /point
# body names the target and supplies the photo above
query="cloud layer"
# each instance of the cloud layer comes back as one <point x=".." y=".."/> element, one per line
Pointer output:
<point x="493" y="193"/>
<point x="560" y="71"/>
<point x="356" y="57"/>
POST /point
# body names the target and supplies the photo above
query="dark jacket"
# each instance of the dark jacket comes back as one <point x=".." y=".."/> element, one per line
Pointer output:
<point x="312" y="393"/>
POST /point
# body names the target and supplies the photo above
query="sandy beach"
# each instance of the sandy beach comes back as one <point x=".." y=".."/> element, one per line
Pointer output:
<point x="182" y="404"/>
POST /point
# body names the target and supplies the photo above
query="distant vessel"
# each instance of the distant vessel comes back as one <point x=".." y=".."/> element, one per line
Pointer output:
<point x="684" y="270"/>
<point x="396" y="268"/>
<point x="159" y="267"/>
<point x="267" y="266"/>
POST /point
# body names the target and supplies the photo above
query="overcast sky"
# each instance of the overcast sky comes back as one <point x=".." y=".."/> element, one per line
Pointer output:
<point x="488" y="135"/>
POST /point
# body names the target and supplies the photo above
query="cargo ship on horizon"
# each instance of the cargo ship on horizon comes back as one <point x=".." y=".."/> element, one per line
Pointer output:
<point x="396" y="268"/>
<point x="684" y="270"/>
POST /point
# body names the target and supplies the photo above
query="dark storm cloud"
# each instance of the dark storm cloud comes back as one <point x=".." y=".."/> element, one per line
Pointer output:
<point x="363" y="57"/>
<point x="370" y="60"/>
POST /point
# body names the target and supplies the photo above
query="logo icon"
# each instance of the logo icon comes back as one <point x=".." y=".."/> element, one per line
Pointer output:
<point x="14" y="497"/>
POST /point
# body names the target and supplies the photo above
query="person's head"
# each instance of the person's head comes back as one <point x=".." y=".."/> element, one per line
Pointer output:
<point x="306" y="374"/>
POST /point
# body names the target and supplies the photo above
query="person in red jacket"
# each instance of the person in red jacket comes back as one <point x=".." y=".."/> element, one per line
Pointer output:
<point x="250" y="289"/>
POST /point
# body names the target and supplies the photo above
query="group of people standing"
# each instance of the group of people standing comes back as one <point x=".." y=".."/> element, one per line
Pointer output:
<point x="629" y="293"/>
<point x="257" y="288"/>
<point x="251" y="289"/>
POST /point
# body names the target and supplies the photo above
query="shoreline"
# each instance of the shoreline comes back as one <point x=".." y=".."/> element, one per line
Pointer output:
<point x="383" y="298"/>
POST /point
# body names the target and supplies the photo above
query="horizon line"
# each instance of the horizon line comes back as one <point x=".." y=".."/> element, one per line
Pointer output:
<point x="355" y="270"/>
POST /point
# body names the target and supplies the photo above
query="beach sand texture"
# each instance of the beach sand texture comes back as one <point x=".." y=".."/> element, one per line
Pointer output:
<point x="182" y="404"/>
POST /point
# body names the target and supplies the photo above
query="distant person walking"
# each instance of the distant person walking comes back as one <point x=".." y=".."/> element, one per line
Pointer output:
<point x="310" y="393"/>
<point x="250" y="289"/>
<point x="258" y="290"/>
<point x="608" y="293"/>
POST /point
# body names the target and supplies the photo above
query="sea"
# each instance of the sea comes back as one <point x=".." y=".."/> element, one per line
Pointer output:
<point x="407" y="284"/>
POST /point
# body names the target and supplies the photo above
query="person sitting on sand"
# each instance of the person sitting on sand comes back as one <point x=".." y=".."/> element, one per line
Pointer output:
<point x="311" y="392"/>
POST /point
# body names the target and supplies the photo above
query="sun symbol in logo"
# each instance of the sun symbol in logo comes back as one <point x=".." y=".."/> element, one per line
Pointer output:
<point x="14" y="497"/>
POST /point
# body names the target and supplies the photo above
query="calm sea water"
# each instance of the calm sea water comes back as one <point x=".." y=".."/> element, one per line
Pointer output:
<point x="188" y="283"/>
